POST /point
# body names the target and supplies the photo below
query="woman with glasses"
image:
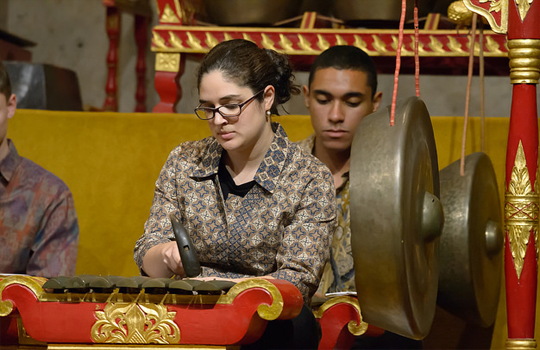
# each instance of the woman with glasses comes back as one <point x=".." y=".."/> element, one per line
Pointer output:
<point x="252" y="202"/>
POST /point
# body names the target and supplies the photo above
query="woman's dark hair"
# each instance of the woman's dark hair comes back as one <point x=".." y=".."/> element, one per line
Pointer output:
<point x="246" y="64"/>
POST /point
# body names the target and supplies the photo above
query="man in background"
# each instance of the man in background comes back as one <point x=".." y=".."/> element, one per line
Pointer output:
<point x="39" y="232"/>
<point x="341" y="91"/>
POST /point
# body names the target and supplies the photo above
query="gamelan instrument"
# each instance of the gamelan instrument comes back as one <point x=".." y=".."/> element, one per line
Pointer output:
<point x="141" y="310"/>
<point x="472" y="241"/>
<point x="103" y="312"/>
<point x="396" y="218"/>
<point x="421" y="237"/>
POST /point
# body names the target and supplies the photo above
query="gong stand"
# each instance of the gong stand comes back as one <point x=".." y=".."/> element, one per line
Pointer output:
<point x="518" y="19"/>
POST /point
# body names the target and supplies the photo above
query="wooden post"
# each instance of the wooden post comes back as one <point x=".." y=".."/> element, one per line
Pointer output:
<point x="519" y="20"/>
<point x="113" y="32"/>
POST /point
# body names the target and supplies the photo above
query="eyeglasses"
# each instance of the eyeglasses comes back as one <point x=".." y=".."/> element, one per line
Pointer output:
<point x="229" y="110"/>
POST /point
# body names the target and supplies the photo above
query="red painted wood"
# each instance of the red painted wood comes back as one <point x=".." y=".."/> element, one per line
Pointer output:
<point x="168" y="87"/>
<point x="521" y="293"/>
<point x="203" y="324"/>
<point x="113" y="32"/>
<point x="526" y="29"/>
<point x="141" y="38"/>
<point x="334" y="321"/>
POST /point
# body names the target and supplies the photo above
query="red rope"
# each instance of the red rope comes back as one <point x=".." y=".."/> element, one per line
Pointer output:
<point x="398" y="62"/>
<point x="482" y="88"/>
<point x="416" y="56"/>
<point x="468" y="94"/>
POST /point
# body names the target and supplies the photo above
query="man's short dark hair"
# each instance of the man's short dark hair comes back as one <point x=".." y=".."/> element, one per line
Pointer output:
<point x="346" y="57"/>
<point x="5" y="83"/>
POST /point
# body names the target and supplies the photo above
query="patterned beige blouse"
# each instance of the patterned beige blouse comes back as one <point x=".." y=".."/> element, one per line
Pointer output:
<point x="282" y="227"/>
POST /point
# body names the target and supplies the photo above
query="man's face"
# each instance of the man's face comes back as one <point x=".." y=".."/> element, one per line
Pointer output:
<point x="7" y="110"/>
<point x="337" y="101"/>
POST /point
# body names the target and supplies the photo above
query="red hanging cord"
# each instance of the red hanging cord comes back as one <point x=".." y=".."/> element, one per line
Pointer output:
<point x="468" y="94"/>
<point x="482" y="89"/>
<point x="416" y="56"/>
<point x="398" y="62"/>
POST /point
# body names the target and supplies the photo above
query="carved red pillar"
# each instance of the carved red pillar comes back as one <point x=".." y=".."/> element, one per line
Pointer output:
<point x="113" y="32"/>
<point x="169" y="65"/>
<point x="520" y="19"/>
<point x="141" y="38"/>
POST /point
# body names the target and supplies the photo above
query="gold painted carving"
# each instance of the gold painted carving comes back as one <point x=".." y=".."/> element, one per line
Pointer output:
<point x="494" y="6"/>
<point x="379" y="45"/>
<point x="420" y="45"/>
<point x="158" y="41"/>
<point x="285" y="43"/>
<point x="340" y="40"/>
<point x="323" y="44"/>
<point x="521" y="210"/>
<point x="523" y="8"/>
<point x="167" y="62"/>
<point x="193" y="42"/>
<point x="247" y="37"/>
<point x="267" y="43"/>
<point x="353" y="327"/>
<point x="169" y="16"/>
<point x="266" y="312"/>
<point x="395" y="43"/>
<point x="524" y="55"/>
<point x="32" y="283"/>
<point x="454" y="45"/>
<point x="175" y="41"/>
<point x="135" y="323"/>
<point x="210" y="40"/>
<point x="359" y="43"/>
<point x="304" y="44"/>
<point x="520" y="344"/>
<point x="435" y="45"/>
<point x="492" y="45"/>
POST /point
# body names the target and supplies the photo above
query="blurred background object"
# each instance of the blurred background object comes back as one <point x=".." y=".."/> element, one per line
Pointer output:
<point x="44" y="86"/>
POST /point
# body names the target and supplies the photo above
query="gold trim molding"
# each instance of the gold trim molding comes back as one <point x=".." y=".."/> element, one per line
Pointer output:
<point x="32" y="283"/>
<point x="353" y="327"/>
<point x="524" y="55"/>
<point x="167" y="39"/>
<point x="521" y="210"/>
<point x="520" y="344"/>
<point x="266" y="312"/>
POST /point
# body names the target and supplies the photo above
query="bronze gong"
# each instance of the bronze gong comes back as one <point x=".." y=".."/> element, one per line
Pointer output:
<point x="472" y="241"/>
<point x="396" y="218"/>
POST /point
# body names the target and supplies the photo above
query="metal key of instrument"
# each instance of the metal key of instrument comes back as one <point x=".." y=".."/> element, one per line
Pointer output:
<point x="188" y="254"/>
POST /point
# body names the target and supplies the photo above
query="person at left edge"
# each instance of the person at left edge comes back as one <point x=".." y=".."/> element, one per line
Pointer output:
<point x="39" y="231"/>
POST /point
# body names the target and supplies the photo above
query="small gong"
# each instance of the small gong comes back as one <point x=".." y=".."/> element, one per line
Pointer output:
<point x="396" y="219"/>
<point x="472" y="241"/>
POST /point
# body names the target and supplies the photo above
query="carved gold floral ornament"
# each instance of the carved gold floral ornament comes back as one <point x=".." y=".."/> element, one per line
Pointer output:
<point x="521" y="210"/>
<point x="135" y="323"/>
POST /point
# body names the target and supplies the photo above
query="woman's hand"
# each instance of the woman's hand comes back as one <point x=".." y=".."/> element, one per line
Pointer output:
<point x="163" y="260"/>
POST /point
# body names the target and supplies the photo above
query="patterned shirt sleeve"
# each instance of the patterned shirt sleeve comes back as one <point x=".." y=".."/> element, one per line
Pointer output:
<point x="157" y="228"/>
<point x="306" y="240"/>
<point x="55" y="245"/>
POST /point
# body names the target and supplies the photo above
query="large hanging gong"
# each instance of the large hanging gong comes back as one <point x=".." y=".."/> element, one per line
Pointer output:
<point x="396" y="219"/>
<point x="472" y="241"/>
